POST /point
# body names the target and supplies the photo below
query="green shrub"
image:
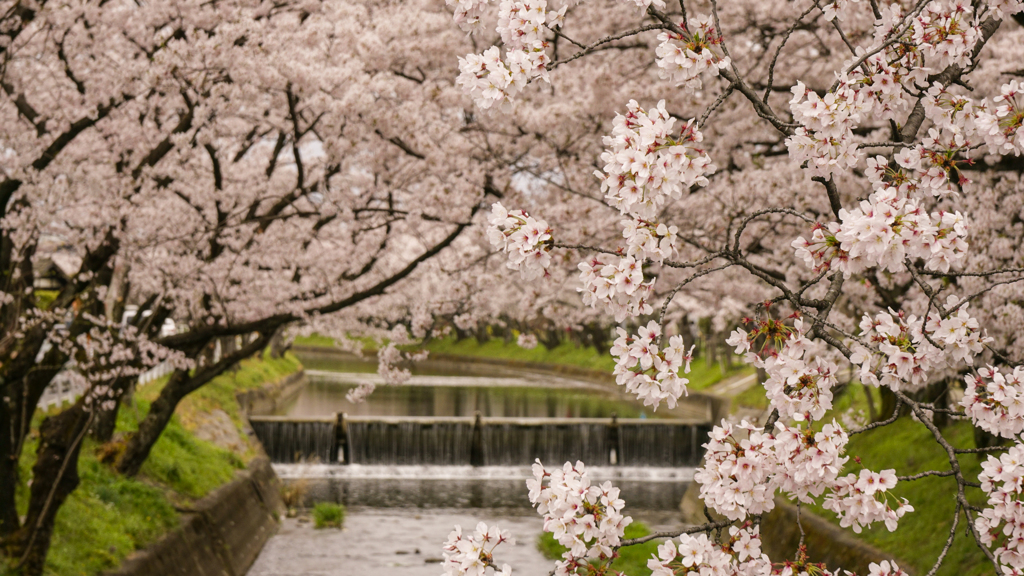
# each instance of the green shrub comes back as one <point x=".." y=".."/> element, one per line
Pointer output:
<point x="328" y="515"/>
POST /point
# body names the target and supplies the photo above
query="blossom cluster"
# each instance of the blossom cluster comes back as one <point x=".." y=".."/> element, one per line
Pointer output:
<point x="682" y="58"/>
<point x="620" y="286"/>
<point x="740" y="555"/>
<point x="945" y="32"/>
<point x="649" y="373"/>
<point x="584" y="518"/>
<point x="808" y="462"/>
<point x="837" y="9"/>
<point x="525" y="239"/>
<point x="473" y="555"/>
<point x="646" y="163"/>
<point x="389" y="360"/>
<point x="527" y="341"/>
<point x="879" y="80"/>
<point x="855" y="499"/>
<point x="744" y="466"/>
<point x="649" y="240"/>
<point x="825" y="139"/>
<point x="467" y="12"/>
<point x="486" y="77"/>
<point x="1004" y="130"/>
<point x="1002" y="523"/>
<point x="885" y="568"/>
<point x="884" y="231"/>
<point x="905" y="355"/>
<point x="942" y="34"/>
<point x="798" y="386"/>
<point x="741" y="475"/>
<point x="995" y="401"/>
<point x="736" y="479"/>
<point x="1003" y="8"/>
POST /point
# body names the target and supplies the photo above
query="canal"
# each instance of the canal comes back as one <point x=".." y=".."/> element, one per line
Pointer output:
<point x="401" y="508"/>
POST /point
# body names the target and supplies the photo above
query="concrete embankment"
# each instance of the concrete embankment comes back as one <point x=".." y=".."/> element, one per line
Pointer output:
<point x="222" y="534"/>
<point x="267" y="399"/>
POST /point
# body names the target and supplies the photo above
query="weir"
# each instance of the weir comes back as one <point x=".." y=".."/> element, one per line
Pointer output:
<point x="480" y="441"/>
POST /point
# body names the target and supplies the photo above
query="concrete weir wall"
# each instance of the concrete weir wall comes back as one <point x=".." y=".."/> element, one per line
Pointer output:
<point x="221" y="535"/>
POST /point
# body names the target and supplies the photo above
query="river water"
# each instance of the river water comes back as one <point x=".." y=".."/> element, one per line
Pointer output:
<point x="399" y="516"/>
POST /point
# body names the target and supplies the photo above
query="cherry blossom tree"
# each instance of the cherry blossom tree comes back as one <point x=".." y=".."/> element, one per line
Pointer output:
<point x="237" y="167"/>
<point x="839" y="181"/>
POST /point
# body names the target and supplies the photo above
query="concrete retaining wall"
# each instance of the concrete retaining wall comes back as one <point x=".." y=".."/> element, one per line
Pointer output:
<point x="221" y="535"/>
<point x="265" y="400"/>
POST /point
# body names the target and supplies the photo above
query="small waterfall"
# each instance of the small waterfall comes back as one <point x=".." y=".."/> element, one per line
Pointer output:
<point x="656" y="444"/>
<point x="404" y="441"/>
<point x="288" y="441"/>
<point x="410" y="442"/>
<point x="518" y="443"/>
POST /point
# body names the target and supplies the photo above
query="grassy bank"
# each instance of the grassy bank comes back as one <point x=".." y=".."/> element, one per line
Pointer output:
<point x="109" y="516"/>
<point x="702" y="375"/>
<point x="909" y="448"/>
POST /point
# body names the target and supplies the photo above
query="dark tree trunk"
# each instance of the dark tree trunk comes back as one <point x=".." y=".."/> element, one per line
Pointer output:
<point x="938" y="395"/>
<point x="481" y="333"/>
<point x="160" y="412"/>
<point x="105" y="420"/>
<point x="550" y="339"/>
<point x="228" y="346"/>
<point x="687" y="333"/>
<point x="54" y="478"/>
<point x="888" y="404"/>
<point x="181" y="384"/>
<point x="277" y="344"/>
<point x="104" y="423"/>
<point x="16" y="409"/>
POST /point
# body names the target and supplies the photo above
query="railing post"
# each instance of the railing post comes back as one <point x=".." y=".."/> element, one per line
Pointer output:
<point x="476" y="448"/>
<point x="613" y="440"/>
<point x="342" y="448"/>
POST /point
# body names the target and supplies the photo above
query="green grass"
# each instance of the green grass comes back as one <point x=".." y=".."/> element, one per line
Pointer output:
<point x="328" y="515"/>
<point x="108" y="516"/>
<point x="909" y="448"/>
<point x="315" y="340"/>
<point x="104" y="520"/>
<point x="753" y="397"/>
<point x="632" y="560"/>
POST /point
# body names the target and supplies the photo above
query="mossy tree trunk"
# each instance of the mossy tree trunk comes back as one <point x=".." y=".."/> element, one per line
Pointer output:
<point x="54" y="478"/>
<point x="181" y="384"/>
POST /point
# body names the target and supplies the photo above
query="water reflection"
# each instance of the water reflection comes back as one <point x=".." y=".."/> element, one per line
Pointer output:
<point x="323" y="397"/>
<point x="462" y="487"/>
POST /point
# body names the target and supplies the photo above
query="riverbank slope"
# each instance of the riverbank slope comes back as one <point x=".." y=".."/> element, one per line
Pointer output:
<point x="204" y="448"/>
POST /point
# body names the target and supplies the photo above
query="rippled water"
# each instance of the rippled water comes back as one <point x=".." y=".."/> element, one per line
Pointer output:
<point x="399" y="516"/>
<point x="490" y="487"/>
